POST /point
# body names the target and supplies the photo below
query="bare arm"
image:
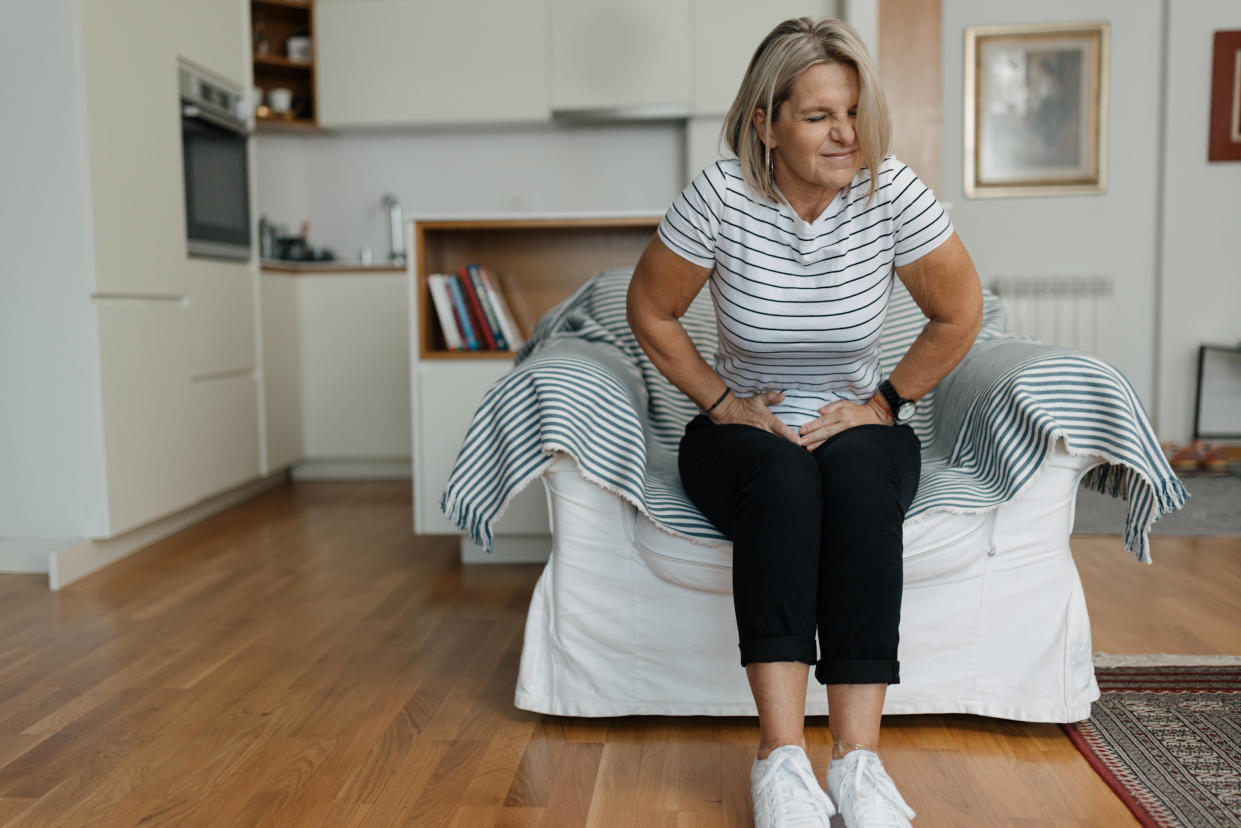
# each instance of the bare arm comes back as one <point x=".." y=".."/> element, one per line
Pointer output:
<point x="945" y="285"/>
<point x="661" y="291"/>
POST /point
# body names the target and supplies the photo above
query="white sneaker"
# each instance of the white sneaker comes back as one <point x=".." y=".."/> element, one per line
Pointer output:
<point x="786" y="793"/>
<point x="865" y="794"/>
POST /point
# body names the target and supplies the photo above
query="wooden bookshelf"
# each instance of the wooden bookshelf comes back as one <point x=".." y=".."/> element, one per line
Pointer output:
<point x="276" y="21"/>
<point x="538" y="262"/>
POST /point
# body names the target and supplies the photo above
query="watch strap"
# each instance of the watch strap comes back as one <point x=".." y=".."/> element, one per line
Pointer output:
<point x="893" y="399"/>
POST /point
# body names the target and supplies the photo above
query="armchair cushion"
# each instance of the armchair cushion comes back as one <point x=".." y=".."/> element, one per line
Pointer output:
<point x="582" y="386"/>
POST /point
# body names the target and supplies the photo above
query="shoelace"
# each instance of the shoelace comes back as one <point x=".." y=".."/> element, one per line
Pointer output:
<point x="793" y="801"/>
<point x="875" y="794"/>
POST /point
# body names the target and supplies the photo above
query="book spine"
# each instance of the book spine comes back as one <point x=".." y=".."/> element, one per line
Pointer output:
<point x="488" y="311"/>
<point x="462" y="312"/>
<point x="505" y="315"/>
<point x="481" y="330"/>
<point x="443" y="311"/>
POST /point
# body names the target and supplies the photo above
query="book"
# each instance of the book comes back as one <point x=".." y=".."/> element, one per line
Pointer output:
<point x="461" y="311"/>
<point x="481" y="329"/>
<point x="475" y="273"/>
<point x="443" y="311"/>
<point x="503" y="314"/>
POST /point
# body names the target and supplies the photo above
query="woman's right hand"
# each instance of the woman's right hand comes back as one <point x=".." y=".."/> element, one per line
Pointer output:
<point x="753" y="411"/>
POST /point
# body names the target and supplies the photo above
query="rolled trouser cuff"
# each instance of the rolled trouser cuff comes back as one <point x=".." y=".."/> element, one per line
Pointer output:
<point x="790" y="648"/>
<point x="839" y="671"/>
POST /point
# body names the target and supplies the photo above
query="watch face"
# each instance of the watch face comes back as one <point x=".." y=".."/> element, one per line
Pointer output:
<point x="906" y="412"/>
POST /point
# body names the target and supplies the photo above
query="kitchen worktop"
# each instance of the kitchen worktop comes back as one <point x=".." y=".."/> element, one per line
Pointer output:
<point x="278" y="266"/>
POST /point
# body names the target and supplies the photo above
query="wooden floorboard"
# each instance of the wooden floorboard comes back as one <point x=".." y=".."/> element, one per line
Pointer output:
<point x="304" y="660"/>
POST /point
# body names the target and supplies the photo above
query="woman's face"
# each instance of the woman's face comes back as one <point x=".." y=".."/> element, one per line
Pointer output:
<point x="814" y="137"/>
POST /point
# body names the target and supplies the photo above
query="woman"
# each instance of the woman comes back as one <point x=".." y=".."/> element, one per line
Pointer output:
<point x="803" y="456"/>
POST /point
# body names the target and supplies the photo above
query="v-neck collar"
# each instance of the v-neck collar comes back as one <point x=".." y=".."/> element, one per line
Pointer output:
<point x="787" y="205"/>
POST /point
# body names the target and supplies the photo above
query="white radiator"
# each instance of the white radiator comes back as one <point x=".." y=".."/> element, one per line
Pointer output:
<point x="1056" y="310"/>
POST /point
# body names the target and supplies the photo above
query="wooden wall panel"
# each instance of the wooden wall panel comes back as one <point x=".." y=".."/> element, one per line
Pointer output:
<point x="910" y="66"/>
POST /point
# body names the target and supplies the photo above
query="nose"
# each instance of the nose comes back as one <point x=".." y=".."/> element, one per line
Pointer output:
<point x="844" y="132"/>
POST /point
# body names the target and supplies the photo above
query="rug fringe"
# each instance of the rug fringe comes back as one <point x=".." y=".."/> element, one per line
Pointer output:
<point x="1106" y="660"/>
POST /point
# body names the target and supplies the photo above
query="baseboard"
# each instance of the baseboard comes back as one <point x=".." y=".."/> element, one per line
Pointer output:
<point x="80" y="558"/>
<point x="397" y="468"/>
<point x="26" y="556"/>
<point x="508" y="549"/>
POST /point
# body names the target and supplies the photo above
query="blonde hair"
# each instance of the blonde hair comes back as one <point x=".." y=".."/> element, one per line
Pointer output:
<point x="790" y="49"/>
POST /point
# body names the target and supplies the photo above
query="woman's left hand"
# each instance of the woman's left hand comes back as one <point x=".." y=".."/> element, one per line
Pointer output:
<point x="839" y="416"/>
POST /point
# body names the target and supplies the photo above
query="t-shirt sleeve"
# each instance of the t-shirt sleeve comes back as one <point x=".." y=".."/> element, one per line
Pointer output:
<point x="919" y="221"/>
<point x="692" y="223"/>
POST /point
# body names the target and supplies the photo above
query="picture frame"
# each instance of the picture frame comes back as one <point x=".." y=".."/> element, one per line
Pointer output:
<point x="1225" y="128"/>
<point x="1036" y="103"/>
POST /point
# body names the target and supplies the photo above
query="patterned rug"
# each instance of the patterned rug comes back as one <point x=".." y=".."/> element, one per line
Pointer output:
<point x="1166" y="736"/>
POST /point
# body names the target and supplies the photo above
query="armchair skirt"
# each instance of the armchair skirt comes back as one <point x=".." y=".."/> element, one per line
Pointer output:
<point x="628" y="619"/>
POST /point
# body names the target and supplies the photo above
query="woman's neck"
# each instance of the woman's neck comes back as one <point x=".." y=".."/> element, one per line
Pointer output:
<point x="808" y="202"/>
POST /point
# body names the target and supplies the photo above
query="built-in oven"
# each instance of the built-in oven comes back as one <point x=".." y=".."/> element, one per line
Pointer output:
<point x="214" y="133"/>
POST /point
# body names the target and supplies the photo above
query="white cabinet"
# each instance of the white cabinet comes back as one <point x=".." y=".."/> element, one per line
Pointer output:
<point x="148" y="409"/>
<point x="133" y="117"/>
<point x="385" y="62"/>
<point x="221" y="317"/>
<point x="448" y="394"/>
<point x="223" y="434"/>
<point x="538" y="261"/>
<point x="726" y="33"/>
<point x="282" y="384"/>
<point x="632" y="56"/>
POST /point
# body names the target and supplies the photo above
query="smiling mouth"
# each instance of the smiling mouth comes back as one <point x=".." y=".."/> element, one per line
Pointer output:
<point x="846" y="154"/>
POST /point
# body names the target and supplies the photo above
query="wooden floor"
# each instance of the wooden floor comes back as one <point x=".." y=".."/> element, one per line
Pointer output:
<point x="304" y="660"/>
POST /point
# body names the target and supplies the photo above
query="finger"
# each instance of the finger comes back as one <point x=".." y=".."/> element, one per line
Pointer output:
<point x="823" y="431"/>
<point x="806" y="428"/>
<point x="779" y="428"/>
<point x="813" y="446"/>
<point x="772" y="397"/>
<point x="835" y="406"/>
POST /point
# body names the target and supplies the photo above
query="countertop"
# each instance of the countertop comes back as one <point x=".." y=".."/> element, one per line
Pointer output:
<point x="279" y="266"/>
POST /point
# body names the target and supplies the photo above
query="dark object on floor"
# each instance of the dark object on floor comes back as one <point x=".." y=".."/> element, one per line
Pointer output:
<point x="1167" y="740"/>
<point x="1213" y="508"/>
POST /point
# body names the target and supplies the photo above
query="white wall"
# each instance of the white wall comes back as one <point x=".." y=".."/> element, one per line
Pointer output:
<point x="1201" y="257"/>
<point x="1112" y="233"/>
<point x="51" y="465"/>
<point x="484" y="170"/>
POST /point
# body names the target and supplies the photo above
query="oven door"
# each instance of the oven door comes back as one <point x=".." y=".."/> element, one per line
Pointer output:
<point x="217" y="185"/>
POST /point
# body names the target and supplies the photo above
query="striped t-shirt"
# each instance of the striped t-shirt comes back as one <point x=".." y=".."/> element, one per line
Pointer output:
<point x="799" y="305"/>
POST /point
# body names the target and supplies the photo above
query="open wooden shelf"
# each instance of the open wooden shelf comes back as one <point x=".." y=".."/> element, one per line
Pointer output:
<point x="276" y="61"/>
<point x="538" y="262"/>
<point x="279" y="20"/>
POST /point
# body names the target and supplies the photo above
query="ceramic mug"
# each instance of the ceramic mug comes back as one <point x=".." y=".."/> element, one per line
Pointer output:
<point x="280" y="99"/>
<point x="298" y="48"/>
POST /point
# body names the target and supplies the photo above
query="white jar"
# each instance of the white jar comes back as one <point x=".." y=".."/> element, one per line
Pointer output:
<point x="280" y="99"/>
<point x="298" y="48"/>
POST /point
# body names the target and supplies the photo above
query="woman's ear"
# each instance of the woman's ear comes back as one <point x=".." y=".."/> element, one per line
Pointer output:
<point x="759" y="120"/>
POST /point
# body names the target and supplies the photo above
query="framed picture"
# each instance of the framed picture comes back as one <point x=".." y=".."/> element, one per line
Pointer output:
<point x="1225" y="143"/>
<point x="1036" y="109"/>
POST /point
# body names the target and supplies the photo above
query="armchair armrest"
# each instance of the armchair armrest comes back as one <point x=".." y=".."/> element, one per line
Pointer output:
<point x="575" y="396"/>
<point x="998" y="413"/>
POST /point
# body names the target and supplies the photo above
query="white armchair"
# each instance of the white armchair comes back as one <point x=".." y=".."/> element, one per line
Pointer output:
<point x="633" y="615"/>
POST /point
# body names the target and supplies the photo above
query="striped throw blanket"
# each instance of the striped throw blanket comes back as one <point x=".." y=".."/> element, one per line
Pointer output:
<point x="583" y="386"/>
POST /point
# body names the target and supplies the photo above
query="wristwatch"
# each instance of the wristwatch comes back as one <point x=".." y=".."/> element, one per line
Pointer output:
<point x="901" y="408"/>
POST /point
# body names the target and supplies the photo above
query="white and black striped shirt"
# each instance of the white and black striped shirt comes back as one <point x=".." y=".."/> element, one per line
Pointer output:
<point x="799" y="305"/>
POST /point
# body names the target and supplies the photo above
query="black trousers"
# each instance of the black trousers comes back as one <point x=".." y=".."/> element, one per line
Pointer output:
<point x="817" y="540"/>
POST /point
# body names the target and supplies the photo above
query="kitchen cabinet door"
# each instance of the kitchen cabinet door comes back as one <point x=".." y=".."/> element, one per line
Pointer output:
<point x="148" y="410"/>
<point x="224" y="434"/>
<point x="222" y="317"/>
<point x="633" y="56"/>
<point x="423" y="62"/>
<point x="726" y="33"/>
<point x="282" y="382"/>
